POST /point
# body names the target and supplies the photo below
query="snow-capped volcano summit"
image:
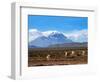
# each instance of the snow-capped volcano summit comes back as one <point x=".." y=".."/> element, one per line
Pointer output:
<point x="47" y="38"/>
<point x="47" y="33"/>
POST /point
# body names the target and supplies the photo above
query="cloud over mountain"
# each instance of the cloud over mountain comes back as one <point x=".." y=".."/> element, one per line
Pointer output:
<point x="78" y="35"/>
<point x="46" y="38"/>
<point x="33" y="34"/>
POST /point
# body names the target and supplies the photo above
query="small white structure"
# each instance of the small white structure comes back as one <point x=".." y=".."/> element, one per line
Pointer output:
<point x="48" y="57"/>
<point x="66" y="54"/>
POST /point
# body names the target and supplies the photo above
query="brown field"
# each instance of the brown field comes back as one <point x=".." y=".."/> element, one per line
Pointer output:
<point x="57" y="56"/>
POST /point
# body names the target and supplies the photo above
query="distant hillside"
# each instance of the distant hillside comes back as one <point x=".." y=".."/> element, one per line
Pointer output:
<point x="74" y="44"/>
<point x="31" y="46"/>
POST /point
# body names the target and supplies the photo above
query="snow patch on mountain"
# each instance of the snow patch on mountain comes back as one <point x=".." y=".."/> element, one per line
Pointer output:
<point x="47" y="33"/>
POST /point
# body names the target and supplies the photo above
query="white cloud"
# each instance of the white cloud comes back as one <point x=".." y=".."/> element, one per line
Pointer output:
<point x="78" y="35"/>
<point x="33" y="34"/>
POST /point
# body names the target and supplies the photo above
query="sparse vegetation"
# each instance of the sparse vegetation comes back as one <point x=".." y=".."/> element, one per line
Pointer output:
<point x="57" y="56"/>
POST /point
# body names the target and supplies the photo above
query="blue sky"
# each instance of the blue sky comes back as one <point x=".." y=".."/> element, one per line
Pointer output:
<point x="58" y="23"/>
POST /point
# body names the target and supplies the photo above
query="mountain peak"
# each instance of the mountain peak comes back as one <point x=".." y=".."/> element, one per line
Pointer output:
<point x="46" y="38"/>
<point x="48" y="33"/>
<point x="53" y="38"/>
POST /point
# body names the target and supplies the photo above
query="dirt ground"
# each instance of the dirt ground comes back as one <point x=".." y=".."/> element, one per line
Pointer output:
<point x="38" y="57"/>
<point x="81" y="60"/>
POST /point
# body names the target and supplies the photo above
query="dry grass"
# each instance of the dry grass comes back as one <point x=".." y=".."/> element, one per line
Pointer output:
<point x="38" y="57"/>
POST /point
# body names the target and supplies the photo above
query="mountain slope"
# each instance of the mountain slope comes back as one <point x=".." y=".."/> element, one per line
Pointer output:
<point x="71" y="45"/>
<point x="53" y="38"/>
